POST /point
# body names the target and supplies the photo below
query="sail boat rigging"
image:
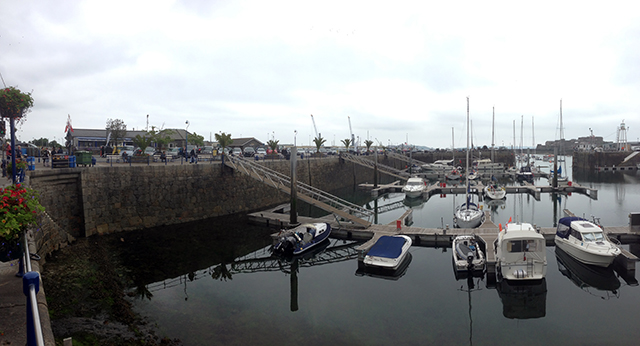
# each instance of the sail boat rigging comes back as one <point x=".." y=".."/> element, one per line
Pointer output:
<point x="468" y="215"/>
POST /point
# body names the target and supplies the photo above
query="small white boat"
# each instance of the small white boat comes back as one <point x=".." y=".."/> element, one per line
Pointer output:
<point x="467" y="255"/>
<point x="439" y="166"/>
<point x="388" y="252"/>
<point x="300" y="239"/>
<point x="494" y="191"/>
<point x="454" y="174"/>
<point x="415" y="187"/>
<point x="520" y="253"/>
<point x="585" y="241"/>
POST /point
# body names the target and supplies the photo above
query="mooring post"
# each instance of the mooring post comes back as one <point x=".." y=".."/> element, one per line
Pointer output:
<point x="293" y="218"/>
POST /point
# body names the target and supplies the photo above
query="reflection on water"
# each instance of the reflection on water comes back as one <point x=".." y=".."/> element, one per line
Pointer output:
<point x="523" y="300"/>
<point x="216" y="283"/>
<point x="585" y="276"/>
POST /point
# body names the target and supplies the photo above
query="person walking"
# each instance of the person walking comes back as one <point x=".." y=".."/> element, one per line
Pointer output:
<point x="194" y="157"/>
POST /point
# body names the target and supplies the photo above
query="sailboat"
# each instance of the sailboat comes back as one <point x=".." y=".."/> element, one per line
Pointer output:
<point x="558" y="173"/>
<point x="494" y="190"/>
<point x="468" y="215"/>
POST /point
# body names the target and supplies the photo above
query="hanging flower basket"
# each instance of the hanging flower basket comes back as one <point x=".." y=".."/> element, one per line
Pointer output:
<point x="18" y="210"/>
<point x="14" y="103"/>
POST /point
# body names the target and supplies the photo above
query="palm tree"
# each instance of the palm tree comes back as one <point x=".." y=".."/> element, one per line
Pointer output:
<point x="273" y="145"/>
<point x="368" y="143"/>
<point x="319" y="141"/>
<point x="347" y="143"/>
<point x="224" y="140"/>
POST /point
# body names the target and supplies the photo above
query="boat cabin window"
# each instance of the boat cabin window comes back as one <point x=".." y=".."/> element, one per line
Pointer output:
<point x="593" y="237"/>
<point x="576" y="234"/>
<point x="522" y="246"/>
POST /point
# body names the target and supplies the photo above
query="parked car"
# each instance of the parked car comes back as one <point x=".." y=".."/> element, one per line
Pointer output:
<point x="150" y="151"/>
<point x="236" y="152"/>
<point x="249" y="152"/>
<point x="125" y="149"/>
<point x="262" y="152"/>
<point x="172" y="153"/>
<point x="207" y="150"/>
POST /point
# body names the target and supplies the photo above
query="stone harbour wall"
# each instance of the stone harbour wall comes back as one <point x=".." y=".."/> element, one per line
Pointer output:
<point x="97" y="200"/>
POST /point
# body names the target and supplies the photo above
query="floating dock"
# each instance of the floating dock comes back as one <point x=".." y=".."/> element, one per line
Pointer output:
<point x="439" y="188"/>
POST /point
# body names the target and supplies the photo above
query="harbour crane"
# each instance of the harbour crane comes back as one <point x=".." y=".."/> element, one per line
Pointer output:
<point x="353" y="139"/>
<point x="314" y="126"/>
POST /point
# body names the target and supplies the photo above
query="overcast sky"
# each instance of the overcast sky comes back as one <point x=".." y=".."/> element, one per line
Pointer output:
<point x="399" y="70"/>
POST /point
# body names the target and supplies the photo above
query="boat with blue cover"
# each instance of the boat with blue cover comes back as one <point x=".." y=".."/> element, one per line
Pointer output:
<point x="388" y="252"/>
<point x="585" y="241"/>
<point x="300" y="239"/>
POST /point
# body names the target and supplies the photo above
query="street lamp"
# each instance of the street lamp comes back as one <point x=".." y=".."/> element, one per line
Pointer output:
<point x="186" y="135"/>
<point x="295" y="133"/>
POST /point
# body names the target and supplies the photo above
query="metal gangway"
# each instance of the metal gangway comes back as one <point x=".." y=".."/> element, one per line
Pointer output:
<point x="316" y="197"/>
<point x="404" y="158"/>
<point x="381" y="168"/>
<point x="261" y="261"/>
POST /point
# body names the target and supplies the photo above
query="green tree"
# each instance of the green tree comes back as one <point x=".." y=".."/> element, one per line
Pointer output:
<point x="142" y="141"/>
<point x="224" y="140"/>
<point x="347" y="143"/>
<point x="368" y="143"/>
<point x="161" y="138"/>
<point x="273" y="144"/>
<point x="118" y="130"/>
<point x="196" y="139"/>
<point x="319" y="141"/>
<point x="42" y="142"/>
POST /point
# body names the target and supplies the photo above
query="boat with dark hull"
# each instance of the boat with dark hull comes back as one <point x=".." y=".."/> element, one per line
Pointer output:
<point x="300" y="239"/>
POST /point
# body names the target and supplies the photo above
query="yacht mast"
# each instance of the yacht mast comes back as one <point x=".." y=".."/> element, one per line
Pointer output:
<point x="466" y="170"/>
<point x="493" y="135"/>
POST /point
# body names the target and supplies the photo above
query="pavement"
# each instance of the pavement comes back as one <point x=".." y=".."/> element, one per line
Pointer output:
<point x="13" y="307"/>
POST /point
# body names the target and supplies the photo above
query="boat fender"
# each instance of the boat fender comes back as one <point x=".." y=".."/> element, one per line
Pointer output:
<point x="500" y="227"/>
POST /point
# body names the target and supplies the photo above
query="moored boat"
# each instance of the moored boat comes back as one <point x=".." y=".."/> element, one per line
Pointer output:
<point x="467" y="255"/>
<point x="585" y="275"/>
<point x="494" y="191"/>
<point x="520" y="253"/>
<point x="388" y="252"/>
<point x="414" y="187"/>
<point x="585" y="241"/>
<point x="468" y="215"/>
<point x="300" y="239"/>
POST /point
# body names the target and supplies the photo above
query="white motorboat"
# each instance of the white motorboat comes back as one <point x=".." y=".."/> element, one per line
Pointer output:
<point x="414" y="187"/>
<point x="494" y="191"/>
<point x="467" y="255"/>
<point x="439" y="166"/>
<point x="486" y="165"/>
<point x="454" y="174"/>
<point x="520" y="253"/>
<point x="388" y="252"/>
<point x="585" y="241"/>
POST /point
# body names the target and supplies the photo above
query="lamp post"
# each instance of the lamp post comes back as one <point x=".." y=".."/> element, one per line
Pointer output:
<point x="186" y="142"/>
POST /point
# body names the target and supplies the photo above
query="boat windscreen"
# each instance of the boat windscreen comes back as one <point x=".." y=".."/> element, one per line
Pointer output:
<point x="387" y="246"/>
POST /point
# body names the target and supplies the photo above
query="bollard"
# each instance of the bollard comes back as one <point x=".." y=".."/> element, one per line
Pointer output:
<point x="30" y="279"/>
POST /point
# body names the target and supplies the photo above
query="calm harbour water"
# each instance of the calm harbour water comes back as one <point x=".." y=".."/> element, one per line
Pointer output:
<point x="226" y="290"/>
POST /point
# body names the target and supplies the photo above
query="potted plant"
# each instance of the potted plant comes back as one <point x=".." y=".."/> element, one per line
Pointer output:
<point x="14" y="103"/>
<point x="19" y="206"/>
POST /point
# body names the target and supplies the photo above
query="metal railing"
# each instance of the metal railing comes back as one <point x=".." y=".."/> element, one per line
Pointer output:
<point x="381" y="168"/>
<point x="282" y="182"/>
<point x="30" y="287"/>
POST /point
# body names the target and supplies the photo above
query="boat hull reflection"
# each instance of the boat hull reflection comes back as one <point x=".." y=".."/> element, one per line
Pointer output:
<point x="584" y="275"/>
<point x="523" y="299"/>
<point x="385" y="273"/>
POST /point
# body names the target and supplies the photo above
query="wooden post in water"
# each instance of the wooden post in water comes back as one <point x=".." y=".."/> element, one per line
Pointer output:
<point x="294" y="285"/>
<point x="293" y="218"/>
<point x="375" y="171"/>
<point x="555" y="167"/>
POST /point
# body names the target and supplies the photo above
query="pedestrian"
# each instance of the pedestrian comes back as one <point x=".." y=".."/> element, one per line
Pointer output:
<point x="163" y="156"/>
<point x="194" y="157"/>
<point x="45" y="156"/>
<point x="18" y="152"/>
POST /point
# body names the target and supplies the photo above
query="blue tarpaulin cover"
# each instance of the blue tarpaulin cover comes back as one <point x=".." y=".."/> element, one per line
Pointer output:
<point x="387" y="246"/>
